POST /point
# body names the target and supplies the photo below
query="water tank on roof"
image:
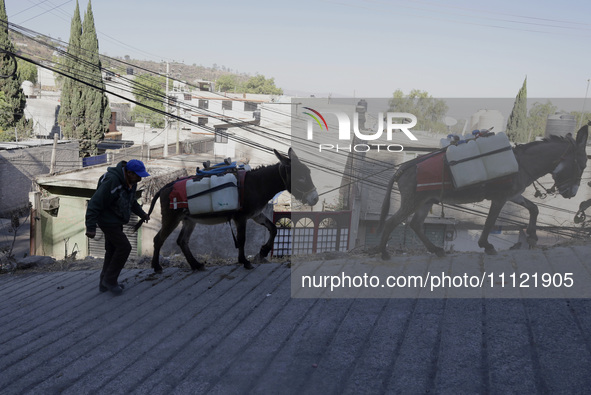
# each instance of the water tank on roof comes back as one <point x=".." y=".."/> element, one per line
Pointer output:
<point x="560" y="124"/>
<point x="475" y="118"/>
<point x="492" y="118"/>
<point x="486" y="119"/>
<point x="28" y="88"/>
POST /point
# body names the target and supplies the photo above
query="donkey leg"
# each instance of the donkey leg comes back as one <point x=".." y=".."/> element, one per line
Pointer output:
<point x="158" y="241"/>
<point x="183" y="242"/>
<point x="241" y="240"/>
<point x="416" y="224"/>
<point x="261" y="219"/>
<point x="532" y="237"/>
<point x="170" y="221"/>
<point x="389" y="227"/>
<point x="493" y="214"/>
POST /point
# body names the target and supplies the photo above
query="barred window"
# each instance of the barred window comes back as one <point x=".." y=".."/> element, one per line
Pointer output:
<point x="221" y="136"/>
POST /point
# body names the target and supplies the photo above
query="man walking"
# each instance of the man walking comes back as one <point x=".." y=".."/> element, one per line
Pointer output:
<point x="110" y="207"/>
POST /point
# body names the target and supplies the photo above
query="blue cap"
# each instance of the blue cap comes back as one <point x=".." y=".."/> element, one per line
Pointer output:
<point x="137" y="167"/>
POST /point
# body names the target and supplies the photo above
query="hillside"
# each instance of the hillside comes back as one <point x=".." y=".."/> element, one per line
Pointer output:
<point x="178" y="71"/>
<point x="43" y="49"/>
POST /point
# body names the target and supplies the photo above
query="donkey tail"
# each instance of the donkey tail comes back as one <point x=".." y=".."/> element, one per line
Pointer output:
<point x="141" y="222"/>
<point x="386" y="204"/>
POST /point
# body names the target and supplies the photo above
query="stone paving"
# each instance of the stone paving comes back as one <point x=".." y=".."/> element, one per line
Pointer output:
<point x="229" y="330"/>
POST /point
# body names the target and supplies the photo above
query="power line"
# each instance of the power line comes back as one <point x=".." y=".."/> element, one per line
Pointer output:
<point x="147" y="92"/>
<point x="45" y="12"/>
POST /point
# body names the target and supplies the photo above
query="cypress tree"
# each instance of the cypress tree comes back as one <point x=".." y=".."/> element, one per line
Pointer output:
<point x="84" y="113"/>
<point x="13" y="98"/>
<point x="71" y="110"/>
<point x="517" y="122"/>
<point x="97" y="113"/>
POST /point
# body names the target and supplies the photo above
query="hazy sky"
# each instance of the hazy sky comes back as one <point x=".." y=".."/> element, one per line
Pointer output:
<point x="454" y="48"/>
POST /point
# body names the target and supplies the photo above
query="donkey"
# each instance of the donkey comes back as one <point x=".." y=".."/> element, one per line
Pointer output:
<point x="260" y="186"/>
<point x="563" y="157"/>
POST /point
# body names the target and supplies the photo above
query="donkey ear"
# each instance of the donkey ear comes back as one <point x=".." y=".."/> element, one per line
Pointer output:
<point x="292" y="155"/>
<point x="582" y="135"/>
<point x="282" y="158"/>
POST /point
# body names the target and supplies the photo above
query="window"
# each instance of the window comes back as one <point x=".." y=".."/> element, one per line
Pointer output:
<point x="188" y="97"/>
<point x="203" y="104"/>
<point x="226" y="104"/>
<point x="250" y="106"/>
<point x="221" y="136"/>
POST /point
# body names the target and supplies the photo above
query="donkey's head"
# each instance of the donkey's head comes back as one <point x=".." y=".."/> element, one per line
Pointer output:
<point x="297" y="178"/>
<point x="567" y="174"/>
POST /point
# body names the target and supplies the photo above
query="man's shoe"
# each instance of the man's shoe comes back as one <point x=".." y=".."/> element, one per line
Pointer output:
<point x="115" y="289"/>
<point x="103" y="288"/>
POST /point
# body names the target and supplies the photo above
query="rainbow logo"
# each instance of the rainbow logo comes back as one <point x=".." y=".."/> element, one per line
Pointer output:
<point x="315" y="118"/>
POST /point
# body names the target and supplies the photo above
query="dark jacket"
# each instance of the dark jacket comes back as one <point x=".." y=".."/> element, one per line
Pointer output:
<point x="113" y="202"/>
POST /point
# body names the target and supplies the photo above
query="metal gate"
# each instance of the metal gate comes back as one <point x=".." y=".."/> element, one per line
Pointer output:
<point x="96" y="246"/>
<point x="301" y="233"/>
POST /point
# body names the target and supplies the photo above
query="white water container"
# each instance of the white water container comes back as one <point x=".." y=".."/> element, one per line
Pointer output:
<point x="470" y="171"/>
<point x="200" y="204"/>
<point x="227" y="198"/>
<point x="451" y="138"/>
<point x="444" y="143"/>
<point x="499" y="164"/>
<point x="469" y="136"/>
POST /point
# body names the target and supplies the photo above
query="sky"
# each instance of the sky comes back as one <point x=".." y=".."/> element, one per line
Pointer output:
<point x="353" y="48"/>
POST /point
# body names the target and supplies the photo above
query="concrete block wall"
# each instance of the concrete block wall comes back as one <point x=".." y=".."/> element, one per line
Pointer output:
<point x="18" y="168"/>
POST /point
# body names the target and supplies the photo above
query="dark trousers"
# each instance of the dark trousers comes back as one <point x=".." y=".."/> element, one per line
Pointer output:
<point x="117" y="250"/>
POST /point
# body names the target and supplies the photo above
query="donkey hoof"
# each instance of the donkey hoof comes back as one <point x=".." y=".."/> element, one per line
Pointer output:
<point x="440" y="252"/>
<point x="386" y="255"/>
<point x="199" y="268"/>
<point x="259" y="259"/>
<point x="516" y="246"/>
<point x="248" y="266"/>
<point x="158" y="270"/>
<point x="490" y="251"/>
<point x="532" y="242"/>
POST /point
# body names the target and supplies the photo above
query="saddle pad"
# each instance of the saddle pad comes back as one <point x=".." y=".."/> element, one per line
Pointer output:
<point x="433" y="173"/>
<point x="178" y="195"/>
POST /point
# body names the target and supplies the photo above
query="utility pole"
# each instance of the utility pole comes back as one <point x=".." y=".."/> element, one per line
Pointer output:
<point x="178" y="128"/>
<point x="583" y="109"/>
<point x="53" y="155"/>
<point x="143" y="141"/>
<point x="165" y="153"/>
